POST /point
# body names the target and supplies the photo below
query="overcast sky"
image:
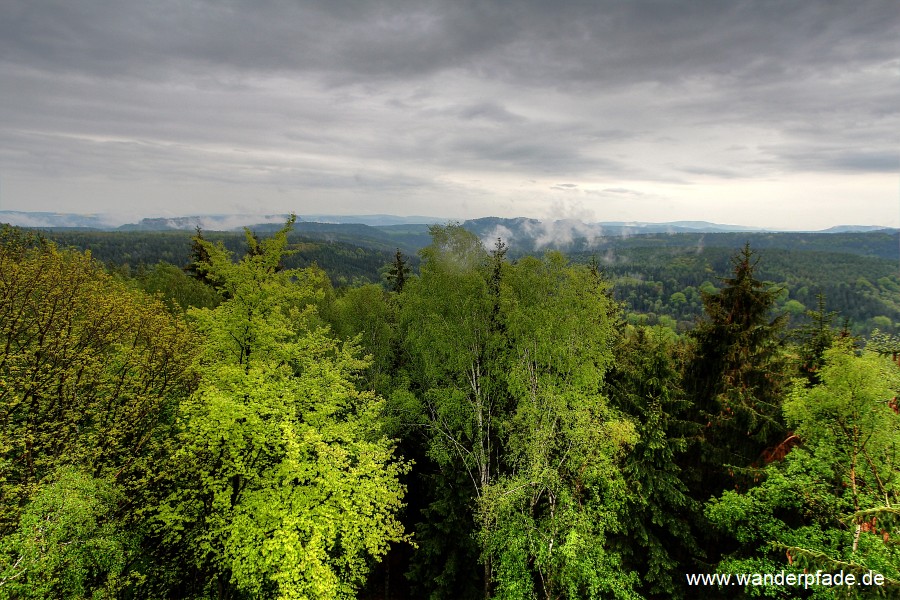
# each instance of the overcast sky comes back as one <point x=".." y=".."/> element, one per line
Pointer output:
<point x="780" y="114"/>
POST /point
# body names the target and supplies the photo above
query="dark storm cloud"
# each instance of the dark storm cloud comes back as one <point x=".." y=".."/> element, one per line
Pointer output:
<point x="440" y="95"/>
<point x="563" y="43"/>
<point x="137" y="39"/>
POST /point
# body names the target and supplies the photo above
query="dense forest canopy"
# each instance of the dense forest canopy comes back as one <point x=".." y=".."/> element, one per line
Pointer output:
<point x="264" y="416"/>
<point x="659" y="277"/>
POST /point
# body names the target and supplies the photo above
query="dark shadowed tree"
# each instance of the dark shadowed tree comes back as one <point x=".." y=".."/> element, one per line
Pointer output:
<point x="198" y="267"/>
<point x="398" y="273"/>
<point x="645" y="384"/>
<point x="736" y="377"/>
<point x="815" y="338"/>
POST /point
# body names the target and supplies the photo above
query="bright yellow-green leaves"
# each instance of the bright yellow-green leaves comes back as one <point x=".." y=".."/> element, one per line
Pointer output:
<point x="285" y="488"/>
<point x="849" y="411"/>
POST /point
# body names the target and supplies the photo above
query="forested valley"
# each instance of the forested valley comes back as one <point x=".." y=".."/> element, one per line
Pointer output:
<point x="271" y="417"/>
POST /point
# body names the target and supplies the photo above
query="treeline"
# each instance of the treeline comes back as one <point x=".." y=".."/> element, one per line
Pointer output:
<point x="346" y="264"/>
<point x="484" y="428"/>
<point x="658" y="277"/>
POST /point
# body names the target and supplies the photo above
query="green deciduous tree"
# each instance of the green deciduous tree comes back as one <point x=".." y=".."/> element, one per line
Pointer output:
<point x="91" y="376"/>
<point x="368" y="314"/>
<point x="546" y="519"/>
<point x="91" y="373"/>
<point x="850" y="415"/>
<point x="884" y="344"/>
<point x="283" y="485"/>
<point x="68" y="543"/>
<point x="507" y="362"/>
<point x="178" y="290"/>
<point x="453" y="344"/>
<point x="831" y="503"/>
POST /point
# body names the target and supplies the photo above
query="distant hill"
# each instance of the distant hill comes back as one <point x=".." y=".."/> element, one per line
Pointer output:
<point x="674" y="227"/>
<point x="48" y="220"/>
<point x="268" y="222"/>
<point x="523" y="235"/>
<point x="346" y="264"/>
<point x="108" y="222"/>
<point x="853" y="228"/>
<point x="665" y="283"/>
<point x="205" y="222"/>
<point x="373" y="220"/>
<point x="53" y="220"/>
<point x="408" y="238"/>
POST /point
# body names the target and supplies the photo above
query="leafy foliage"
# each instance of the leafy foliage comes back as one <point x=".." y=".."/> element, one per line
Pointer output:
<point x="508" y="362"/>
<point x="452" y="343"/>
<point x="547" y="518"/>
<point x="176" y="289"/>
<point x="90" y="374"/>
<point x="368" y="315"/>
<point x="66" y="545"/>
<point x="664" y="282"/>
<point x="227" y="439"/>
<point x="281" y="486"/>
<point x="346" y="261"/>
<point x="829" y="504"/>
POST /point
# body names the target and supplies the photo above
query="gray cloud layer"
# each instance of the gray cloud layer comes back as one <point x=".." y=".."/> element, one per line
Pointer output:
<point x="453" y="108"/>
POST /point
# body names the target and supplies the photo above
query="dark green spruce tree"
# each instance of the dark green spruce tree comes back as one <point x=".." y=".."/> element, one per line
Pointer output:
<point x="397" y="273"/>
<point x="815" y="338"/>
<point x="198" y="267"/>
<point x="735" y="379"/>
